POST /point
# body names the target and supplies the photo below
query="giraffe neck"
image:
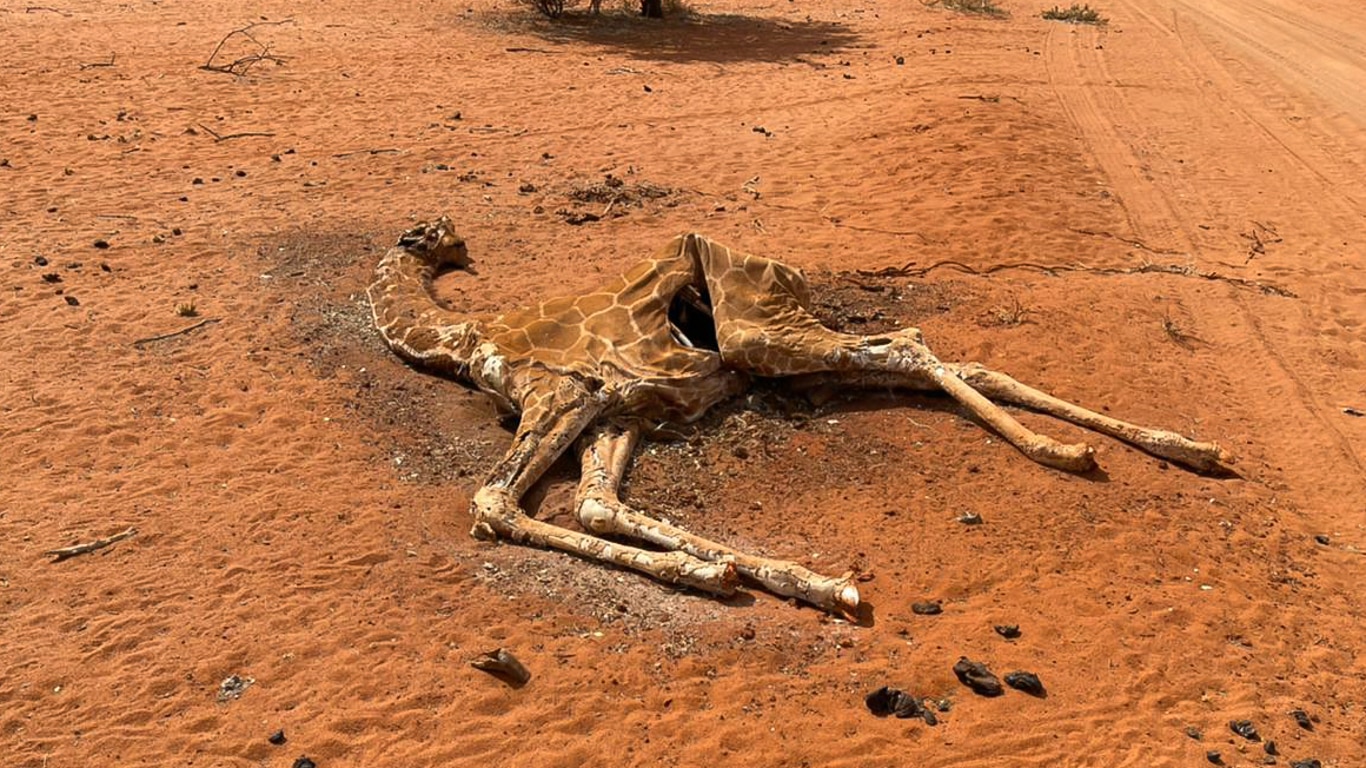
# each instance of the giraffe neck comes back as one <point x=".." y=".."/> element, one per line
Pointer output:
<point x="412" y="323"/>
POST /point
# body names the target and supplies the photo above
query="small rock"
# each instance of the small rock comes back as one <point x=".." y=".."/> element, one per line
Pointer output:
<point x="1302" y="719"/>
<point x="304" y="762"/>
<point x="891" y="701"/>
<point x="927" y="608"/>
<point x="1008" y="631"/>
<point x="976" y="676"/>
<point x="970" y="518"/>
<point x="1027" y="682"/>
<point x="40" y="261"/>
<point x="900" y="60"/>
<point x="1194" y="733"/>
<point x="101" y="244"/>
<point x="52" y="277"/>
<point x="72" y="301"/>
<point x="1245" y="728"/>
<point x="1214" y="757"/>
<point x="277" y="738"/>
<point x="1322" y="539"/>
<point x="1310" y="763"/>
<point x="1270" y="747"/>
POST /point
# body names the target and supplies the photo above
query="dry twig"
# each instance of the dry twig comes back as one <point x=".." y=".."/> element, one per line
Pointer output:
<point x="239" y="67"/>
<point x="910" y="270"/>
<point x="81" y="549"/>
<point x="94" y="64"/>
<point x="173" y="334"/>
<point x="225" y="136"/>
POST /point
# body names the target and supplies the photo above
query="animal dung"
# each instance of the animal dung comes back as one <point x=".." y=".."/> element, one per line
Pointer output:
<point x="927" y="608"/>
<point x="1027" y="682"/>
<point x="976" y="676"/>
<point x="1245" y="728"/>
<point x="892" y="701"/>
<point x="1008" y="631"/>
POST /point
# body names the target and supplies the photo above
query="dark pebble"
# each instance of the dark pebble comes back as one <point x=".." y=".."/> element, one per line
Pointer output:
<point x="72" y="301"/>
<point x="928" y="608"/>
<point x="1302" y="718"/>
<point x="970" y="518"/>
<point x="241" y="174"/>
<point x="277" y="738"/>
<point x="101" y="244"/>
<point x="40" y="261"/>
<point x="304" y="762"/>
<point x="1008" y="631"/>
<point x="1270" y="747"/>
<point x="1245" y="728"/>
<point x="1194" y="733"/>
<point x="1027" y="682"/>
<point x="1322" y="539"/>
<point x="1310" y="763"/>
<point x="1213" y="756"/>
<point x="52" y="277"/>
<point x="976" y="676"/>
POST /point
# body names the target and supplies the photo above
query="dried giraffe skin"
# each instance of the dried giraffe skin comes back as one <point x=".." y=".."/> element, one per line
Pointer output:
<point x="598" y="368"/>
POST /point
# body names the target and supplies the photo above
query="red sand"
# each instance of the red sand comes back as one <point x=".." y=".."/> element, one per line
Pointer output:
<point x="301" y="496"/>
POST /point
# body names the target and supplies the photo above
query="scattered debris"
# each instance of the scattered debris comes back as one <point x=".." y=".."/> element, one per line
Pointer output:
<point x="970" y="518"/>
<point x="503" y="665"/>
<point x="1008" y="631"/>
<point x="1027" y="682"/>
<point x="239" y="66"/>
<point x="976" y="676"/>
<point x="233" y="686"/>
<point x="81" y="549"/>
<point x="1350" y="411"/>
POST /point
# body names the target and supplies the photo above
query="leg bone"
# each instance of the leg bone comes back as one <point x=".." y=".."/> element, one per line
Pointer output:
<point x="605" y="455"/>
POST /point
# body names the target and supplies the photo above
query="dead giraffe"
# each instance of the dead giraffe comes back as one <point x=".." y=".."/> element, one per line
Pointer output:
<point x="662" y="344"/>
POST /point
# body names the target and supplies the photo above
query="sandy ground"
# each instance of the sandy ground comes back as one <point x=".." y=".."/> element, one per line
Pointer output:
<point x="300" y="495"/>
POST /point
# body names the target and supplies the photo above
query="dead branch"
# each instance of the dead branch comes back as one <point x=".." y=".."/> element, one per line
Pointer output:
<point x="81" y="549"/>
<point x="95" y="64"/>
<point x="527" y="50"/>
<point x="385" y="151"/>
<point x="40" y="8"/>
<point x="173" y="334"/>
<point x="226" y="136"/>
<point x="910" y="270"/>
<point x="239" y="67"/>
<point x="1139" y="244"/>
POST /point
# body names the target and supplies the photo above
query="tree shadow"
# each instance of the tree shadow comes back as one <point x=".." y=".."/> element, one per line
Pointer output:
<point x="717" y="39"/>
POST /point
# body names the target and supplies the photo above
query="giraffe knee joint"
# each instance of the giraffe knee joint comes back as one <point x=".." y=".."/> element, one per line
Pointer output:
<point x="596" y="516"/>
<point x="494" y="511"/>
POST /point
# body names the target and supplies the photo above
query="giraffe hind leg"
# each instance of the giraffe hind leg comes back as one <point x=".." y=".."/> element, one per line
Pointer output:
<point x="605" y="455"/>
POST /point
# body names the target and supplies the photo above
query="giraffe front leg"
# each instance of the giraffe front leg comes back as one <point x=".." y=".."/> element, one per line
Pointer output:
<point x="1203" y="457"/>
<point x="550" y="423"/>
<point x="605" y="454"/>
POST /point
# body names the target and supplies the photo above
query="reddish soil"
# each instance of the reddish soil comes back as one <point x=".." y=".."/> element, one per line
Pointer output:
<point x="300" y="495"/>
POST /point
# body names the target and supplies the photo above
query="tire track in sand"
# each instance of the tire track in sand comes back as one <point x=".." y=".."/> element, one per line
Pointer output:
<point x="1279" y="352"/>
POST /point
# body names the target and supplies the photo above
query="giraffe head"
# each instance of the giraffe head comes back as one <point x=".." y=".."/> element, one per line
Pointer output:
<point x="438" y="244"/>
